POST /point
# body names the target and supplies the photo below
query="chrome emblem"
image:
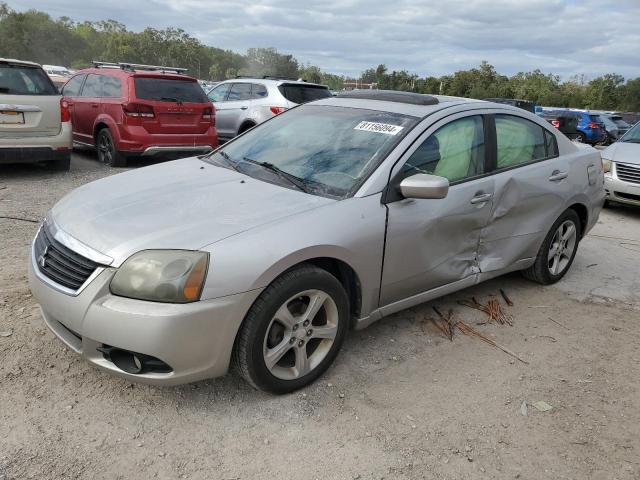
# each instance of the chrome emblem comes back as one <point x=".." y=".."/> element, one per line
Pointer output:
<point x="42" y="261"/>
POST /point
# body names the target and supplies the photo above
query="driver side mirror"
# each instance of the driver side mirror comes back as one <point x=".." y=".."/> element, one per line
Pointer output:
<point x="424" y="186"/>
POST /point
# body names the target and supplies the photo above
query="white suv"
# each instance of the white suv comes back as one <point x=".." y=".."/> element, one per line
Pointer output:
<point x="35" y="123"/>
<point x="243" y="103"/>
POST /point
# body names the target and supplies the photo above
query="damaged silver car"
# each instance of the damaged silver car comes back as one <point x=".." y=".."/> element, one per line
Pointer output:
<point x="264" y="253"/>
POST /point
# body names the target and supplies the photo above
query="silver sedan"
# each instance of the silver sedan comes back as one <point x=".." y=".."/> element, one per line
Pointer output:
<point x="264" y="253"/>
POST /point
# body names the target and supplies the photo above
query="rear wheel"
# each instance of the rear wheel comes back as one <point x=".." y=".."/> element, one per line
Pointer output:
<point x="557" y="251"/>
<point x="581" y="137"/>
<point x="107" y="152"/>
<point x="293" y="331"/>
<point x="246" y="127"/>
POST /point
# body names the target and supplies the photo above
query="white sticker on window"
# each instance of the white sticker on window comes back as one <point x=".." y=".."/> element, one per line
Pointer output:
<point x="379" y="128"/>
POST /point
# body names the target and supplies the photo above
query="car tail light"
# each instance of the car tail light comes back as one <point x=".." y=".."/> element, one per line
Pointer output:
<point x="555" y="123"/>
<point x="209" y="115"/>
<point x="593" y="125"/>
<point x="65" y="111"/>
<point x="138" y="110"/>
<point x="277" y="110"/>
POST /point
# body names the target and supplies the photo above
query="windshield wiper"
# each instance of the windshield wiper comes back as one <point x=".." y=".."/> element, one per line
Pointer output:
<point x="292" y="179"/>
<point x="211" y="157"/>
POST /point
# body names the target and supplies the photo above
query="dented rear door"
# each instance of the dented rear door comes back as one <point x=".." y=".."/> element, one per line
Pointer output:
<point x="532" y="185"/>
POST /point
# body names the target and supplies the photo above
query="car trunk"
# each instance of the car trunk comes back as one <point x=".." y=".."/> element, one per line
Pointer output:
<point x="179" y="106"/>
<point x="29" y="102"/>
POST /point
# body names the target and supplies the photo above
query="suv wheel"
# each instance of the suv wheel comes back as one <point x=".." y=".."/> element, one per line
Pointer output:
<point x="293" y="331"/>
<point x="107" y="152"/>
<point x="557" y="251"/>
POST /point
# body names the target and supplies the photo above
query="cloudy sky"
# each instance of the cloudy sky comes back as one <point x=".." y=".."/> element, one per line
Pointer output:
<point x="427" y="37"/>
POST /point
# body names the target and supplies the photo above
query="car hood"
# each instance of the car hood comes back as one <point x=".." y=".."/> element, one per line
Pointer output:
<point x="185" y="204"/>
<point x="624" y="152"/>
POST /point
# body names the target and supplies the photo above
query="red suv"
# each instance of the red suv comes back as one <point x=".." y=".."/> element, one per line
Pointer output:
<point x="129" y="110"/>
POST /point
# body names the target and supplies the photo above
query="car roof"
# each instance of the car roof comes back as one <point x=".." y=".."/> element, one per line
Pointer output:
<point x="413" y="109"/>
<point x="269" y="81"/>
<point x="118" y="72"/>
<point x="19" y="62"/>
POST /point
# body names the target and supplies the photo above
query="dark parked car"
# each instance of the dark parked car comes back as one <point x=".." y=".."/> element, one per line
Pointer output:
<point x="589" y="127"/>
<point x="523" y="104"/>
<point x="129" y="110"/>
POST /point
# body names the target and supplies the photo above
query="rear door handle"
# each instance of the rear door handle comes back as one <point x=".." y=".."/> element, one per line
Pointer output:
<point x="481" y="198"/>
<point x="95" y="105"/>
<point x="557" y="175"/>
<point x="243" y="108"/>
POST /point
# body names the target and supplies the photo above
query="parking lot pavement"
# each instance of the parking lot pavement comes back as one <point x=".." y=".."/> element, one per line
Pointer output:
<point x="401" y="402"/>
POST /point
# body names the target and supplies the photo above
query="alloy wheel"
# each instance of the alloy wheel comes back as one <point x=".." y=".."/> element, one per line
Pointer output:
<point x="105" y="149"/>
<point x="562" y="247"/>
<point x="300" y="334"/>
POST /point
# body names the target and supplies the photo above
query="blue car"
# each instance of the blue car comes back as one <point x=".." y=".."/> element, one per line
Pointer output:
<point x="589" y="129"/>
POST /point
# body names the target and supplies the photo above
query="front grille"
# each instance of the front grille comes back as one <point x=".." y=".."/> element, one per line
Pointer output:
<point x="61" y="264"/>
<point x="628" y="173"/>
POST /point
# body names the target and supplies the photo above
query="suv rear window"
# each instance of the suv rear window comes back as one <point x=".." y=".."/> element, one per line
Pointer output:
<point x="169" y="90"/>
<point x="299" y="93"/>
<point x="25" y="80"/>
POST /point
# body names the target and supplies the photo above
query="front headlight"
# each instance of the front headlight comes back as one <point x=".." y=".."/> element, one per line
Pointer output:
<point x="606" y="165"/>
<point x="172" y="276"/>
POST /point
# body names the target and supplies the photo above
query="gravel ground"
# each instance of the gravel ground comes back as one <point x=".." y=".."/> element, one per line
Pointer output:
<point x="401" y="402"/>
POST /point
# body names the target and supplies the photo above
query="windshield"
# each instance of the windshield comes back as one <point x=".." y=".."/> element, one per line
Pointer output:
<point x="620" y="122"/>
<point x="331" y="150"/>
<point x="632" y="135"/>
<point x="169" y="90"/>
<point x="25" y="80"/>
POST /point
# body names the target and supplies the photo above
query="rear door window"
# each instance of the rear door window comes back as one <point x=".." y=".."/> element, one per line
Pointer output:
<point x="111" y="87"/>
<point x="240" y="91"/>
<point x="258" y="91"/>
<point x="301" y="93"/>
<point x="18" y="79"/>
<point x="169" y="90"/>
<point x="73" y="86"/>
<point x="519" y="141"/>
<point x="92" y="87"/>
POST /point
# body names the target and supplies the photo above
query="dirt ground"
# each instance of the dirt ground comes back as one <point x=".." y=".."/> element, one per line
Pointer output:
<point x="401" y="402"/>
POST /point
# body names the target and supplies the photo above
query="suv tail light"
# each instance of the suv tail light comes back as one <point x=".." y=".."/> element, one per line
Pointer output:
<point x="209" y="115"/>
<point x="138" y="110"/>
<point x="65" y="111"/>
<point x="277" y="110"/>
<point x="593" y="125"/>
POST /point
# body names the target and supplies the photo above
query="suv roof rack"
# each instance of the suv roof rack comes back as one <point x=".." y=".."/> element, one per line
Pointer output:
<point x="391" y="96"/>
<point x="138" y="66"/>
<point x="271" y="77"/>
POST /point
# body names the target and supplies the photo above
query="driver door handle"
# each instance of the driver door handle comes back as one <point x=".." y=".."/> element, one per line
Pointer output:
<point x="481" y="198"/>
<point x="557" y="175"/>
<point x="243" y="108"/>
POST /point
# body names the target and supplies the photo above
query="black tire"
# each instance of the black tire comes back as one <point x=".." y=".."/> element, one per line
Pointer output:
<point x="248" y="353"/>
<point x="245" y="127"/>
<point x="61" y="164"/>
<point x="107" y="152"/>
<point x="540" y="271"/>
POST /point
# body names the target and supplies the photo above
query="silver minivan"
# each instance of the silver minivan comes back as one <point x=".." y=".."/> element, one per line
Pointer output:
<point x="330" y="216"/>
<point x="243" y="103"/>
<point x="35" y="122"/>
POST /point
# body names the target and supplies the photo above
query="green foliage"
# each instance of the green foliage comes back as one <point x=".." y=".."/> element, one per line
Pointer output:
<point x="34" y="35"/>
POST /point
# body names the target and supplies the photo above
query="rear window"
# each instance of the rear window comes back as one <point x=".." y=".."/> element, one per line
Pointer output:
<point x="25" y="80"/>
<point x="595" y="118"/>
<point x="169" y="90"/>
<point x="298" y="93"/>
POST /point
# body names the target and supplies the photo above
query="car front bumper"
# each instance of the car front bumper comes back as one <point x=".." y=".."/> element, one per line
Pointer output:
<point x="194" y="339"/>
<point x="621" y="191"/>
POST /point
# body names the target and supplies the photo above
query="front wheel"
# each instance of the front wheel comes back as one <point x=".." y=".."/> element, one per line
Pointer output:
<point x="293" y="331"/>
<point x="557" y="251"/>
